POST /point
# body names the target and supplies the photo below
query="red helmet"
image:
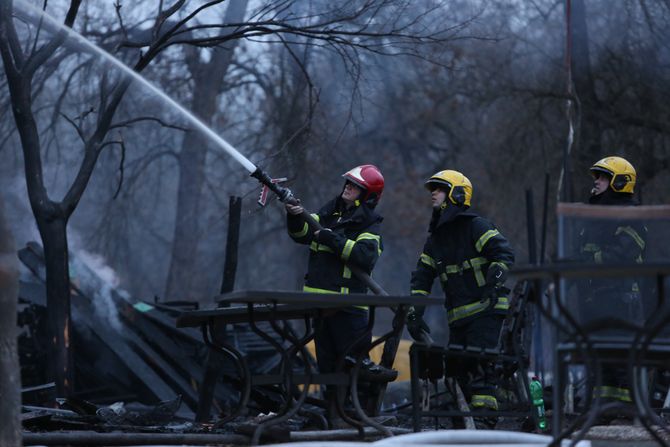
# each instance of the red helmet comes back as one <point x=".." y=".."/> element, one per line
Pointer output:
<point x="370" y="178"/>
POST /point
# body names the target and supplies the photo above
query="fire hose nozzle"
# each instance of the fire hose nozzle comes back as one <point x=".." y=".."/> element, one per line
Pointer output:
<point x="284" y="194"/>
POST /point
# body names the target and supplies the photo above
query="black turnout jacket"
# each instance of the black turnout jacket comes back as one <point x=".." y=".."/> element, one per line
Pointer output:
<point x="613" y="241"/>
<point x="459" y="250"/>
<point x="354" y="239"/>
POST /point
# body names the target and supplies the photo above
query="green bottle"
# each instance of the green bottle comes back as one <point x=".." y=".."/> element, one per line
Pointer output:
<point x="538" y="403"/>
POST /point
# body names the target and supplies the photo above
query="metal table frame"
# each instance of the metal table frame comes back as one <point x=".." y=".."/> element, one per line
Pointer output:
<point x="641" y="347"/>
<point x="275" y="307"/>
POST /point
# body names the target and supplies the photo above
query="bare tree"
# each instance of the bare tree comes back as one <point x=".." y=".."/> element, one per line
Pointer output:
<point x="207" y="84"/>
<point x="347" y="28"/>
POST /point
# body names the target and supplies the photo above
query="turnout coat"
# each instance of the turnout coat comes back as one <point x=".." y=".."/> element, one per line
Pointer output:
<point x="354" y="238"/>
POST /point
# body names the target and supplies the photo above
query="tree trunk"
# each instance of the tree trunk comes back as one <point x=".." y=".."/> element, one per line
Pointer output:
<point x="10" y="377"/>
<point x="56" y="259"/>
<point x="587" y="148"/>
<point x="208" y="79"/>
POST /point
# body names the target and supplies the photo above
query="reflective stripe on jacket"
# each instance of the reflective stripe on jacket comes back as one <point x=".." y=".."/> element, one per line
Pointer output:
<point x="355" y="240"/>
<point x="459" y="251"/>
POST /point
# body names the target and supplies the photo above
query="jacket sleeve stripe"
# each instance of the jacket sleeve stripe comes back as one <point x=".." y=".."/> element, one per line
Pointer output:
<point x="484" y="238"/>
<point x="362" y="236"/>
<point x="346" y="251"/>
<point x="632" y="233"/>
<point x="301" y="233"/>
<point x="373" y="237"/>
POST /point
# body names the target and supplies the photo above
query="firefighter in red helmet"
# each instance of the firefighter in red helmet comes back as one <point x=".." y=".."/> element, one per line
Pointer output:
<point x="350" y="236"/>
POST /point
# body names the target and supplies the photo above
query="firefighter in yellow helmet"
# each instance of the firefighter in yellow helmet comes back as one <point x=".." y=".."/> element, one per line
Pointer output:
<point x="471" y="258"/>
<point x="615" y="242"/>
<point x="613" y="174"/>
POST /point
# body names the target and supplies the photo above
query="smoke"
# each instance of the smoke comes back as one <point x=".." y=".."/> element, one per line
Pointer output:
<point x="95" y="278"/>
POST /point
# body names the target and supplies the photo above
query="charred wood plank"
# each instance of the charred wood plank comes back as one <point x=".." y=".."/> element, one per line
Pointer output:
<point x="162" y="385"/>
<point x="126" y="355"/>
<point x="48" y="410"/>
<point x="138" y="312"/>
<point x="164" y="369"/>
<point x="35" y="418"/>
<point x="182" y="353"/>
<point x="38" y="394"/>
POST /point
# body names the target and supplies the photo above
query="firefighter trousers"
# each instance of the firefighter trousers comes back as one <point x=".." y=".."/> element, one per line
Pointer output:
<point x="476" y="377"/>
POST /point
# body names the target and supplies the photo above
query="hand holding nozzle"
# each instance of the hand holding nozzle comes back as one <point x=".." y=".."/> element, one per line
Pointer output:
<point x="284" y="194"/>
<point x="294" y="208"/>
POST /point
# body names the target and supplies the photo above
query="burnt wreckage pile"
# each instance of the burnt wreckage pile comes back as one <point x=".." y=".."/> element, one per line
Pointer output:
<point x="132" y="366"/>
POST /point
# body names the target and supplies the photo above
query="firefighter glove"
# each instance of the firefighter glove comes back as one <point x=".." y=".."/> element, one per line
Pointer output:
<point x="496" y="275"/>
<point x="326" y="237"/>
<point x="415" y="324"/>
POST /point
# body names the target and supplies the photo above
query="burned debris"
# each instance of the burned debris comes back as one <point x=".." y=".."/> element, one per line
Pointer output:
<point x="126" y="352"/>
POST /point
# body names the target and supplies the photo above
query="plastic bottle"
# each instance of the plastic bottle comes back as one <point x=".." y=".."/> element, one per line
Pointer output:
<point x="538" y="403"/>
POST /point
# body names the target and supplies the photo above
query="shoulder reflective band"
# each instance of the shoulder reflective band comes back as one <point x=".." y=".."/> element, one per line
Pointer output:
<point x="632" y="233"/>
<point x="484" y="238"/>
<point x="430" y="262"/>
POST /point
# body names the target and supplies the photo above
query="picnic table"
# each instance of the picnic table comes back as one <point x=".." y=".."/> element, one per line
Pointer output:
<point x="276" y="308"/>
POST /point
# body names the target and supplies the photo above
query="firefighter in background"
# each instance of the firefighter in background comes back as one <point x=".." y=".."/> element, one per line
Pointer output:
<point x="614" y="242"/>
<point x="471" y="258"/>
<point x="350" y="235"/>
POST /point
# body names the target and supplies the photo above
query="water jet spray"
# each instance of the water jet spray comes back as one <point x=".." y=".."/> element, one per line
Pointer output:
<point x="284" y="194"/>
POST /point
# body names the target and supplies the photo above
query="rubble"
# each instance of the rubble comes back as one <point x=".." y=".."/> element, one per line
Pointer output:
<point x="127" y="351"/>
<point x="137" y="378"/>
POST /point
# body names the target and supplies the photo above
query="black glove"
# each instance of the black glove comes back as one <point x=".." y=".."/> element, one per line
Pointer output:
<point x="496" y="275"/>
<point x="326" y="237"/>
<point x="415" y="324"/>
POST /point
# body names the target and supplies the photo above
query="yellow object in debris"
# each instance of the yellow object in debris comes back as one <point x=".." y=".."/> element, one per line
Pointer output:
<point x="401" y="363"/>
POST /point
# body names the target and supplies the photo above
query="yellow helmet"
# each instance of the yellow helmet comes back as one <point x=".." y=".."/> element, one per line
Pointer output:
<point x="622" y="173"/>
<point x="457" y="185"/>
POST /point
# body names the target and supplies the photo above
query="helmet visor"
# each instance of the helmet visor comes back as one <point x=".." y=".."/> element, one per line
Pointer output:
<point x="351" y="181"/>
<point x="597" y="171"/>
<point x="433" y="184"/>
